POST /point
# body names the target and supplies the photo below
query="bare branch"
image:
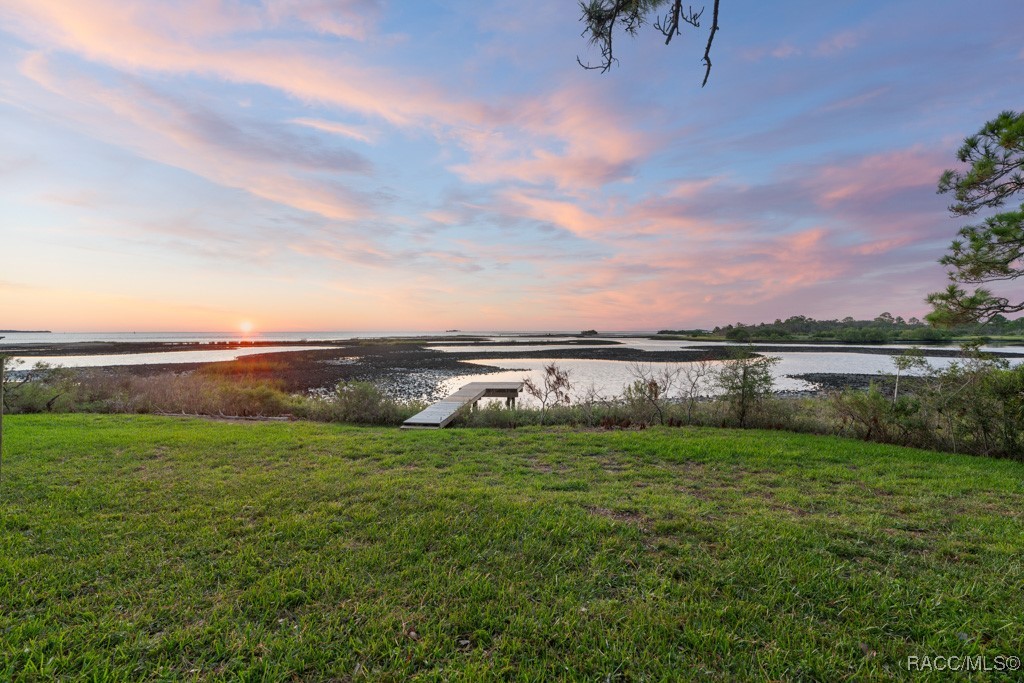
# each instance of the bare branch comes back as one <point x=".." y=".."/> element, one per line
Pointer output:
<point x="601" y="18"/>
<point x="669" y="25"/>
<point x="707" y="49"/>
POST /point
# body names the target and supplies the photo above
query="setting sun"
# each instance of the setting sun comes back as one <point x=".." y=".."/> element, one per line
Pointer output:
<point x="245" y="327"/>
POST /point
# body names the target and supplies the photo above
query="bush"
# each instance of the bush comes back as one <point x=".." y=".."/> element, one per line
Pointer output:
<point x="360" y="403"/>
<point x="41" y="388"/>
<point x="977" y="406"/>
<point x="872" y="416"/>
<point x="746" y="381"/>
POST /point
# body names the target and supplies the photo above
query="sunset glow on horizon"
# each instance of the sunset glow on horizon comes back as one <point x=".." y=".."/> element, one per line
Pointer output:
<point x="373" y="165"/>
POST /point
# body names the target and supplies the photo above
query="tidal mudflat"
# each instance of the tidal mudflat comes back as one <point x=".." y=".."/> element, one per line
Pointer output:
<point x="425" y="368"/>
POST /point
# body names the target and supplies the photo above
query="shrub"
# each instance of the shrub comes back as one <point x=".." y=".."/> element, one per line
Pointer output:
<point x="555" y="388"/>
<point x="872" y="416"/>
<point x="360" y="403"/>
<point x="652" y="389"/>
<point x="745" y="380"/>
<point x="41" y="388"/>
<point x="977" y="406"/>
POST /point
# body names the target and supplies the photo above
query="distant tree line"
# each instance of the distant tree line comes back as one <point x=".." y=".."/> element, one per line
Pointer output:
<point x="884" y="328"/>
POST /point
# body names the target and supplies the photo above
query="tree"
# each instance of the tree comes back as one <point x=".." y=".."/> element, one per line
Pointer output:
<point x="745" y="381"/>
<point x="601" y="18"/>
<point x="555" y="388"/>
<point x="652" y="388"/>
<point x="885" y="318"/>
<point x="993" y="250"/>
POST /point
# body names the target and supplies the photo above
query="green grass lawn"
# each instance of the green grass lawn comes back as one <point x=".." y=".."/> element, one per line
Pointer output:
<point x="157" y="548"/>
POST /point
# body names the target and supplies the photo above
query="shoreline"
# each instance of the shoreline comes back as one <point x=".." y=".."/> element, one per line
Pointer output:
<point x="405" y="368"/>
<point x="595" y="349"/>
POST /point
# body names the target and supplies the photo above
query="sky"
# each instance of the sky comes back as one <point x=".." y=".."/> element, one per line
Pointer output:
<point x="384" y="165"/>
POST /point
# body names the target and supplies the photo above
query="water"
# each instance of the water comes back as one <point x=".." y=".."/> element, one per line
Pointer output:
<point x="607" y="378"/>
<point x="73" y="337"/>
<point x="159" y="358"/>
<point x="602" y="379"/>
<point x="674" y="345"/>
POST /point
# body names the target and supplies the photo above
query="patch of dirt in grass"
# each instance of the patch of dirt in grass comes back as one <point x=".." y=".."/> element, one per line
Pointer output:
<point x="250" y="515"/>
<point x="709" y="491"/>
<point x="1008" y="506"/>
<point x="613" y="462"/>
<point x="904" y="531"/>
<point x="687" y="466"/>
<point x="791" y="509"/>
<point x="612" y="466"/>
<point x="535" y="464"/>
<point x="156" y="467"/>
<point x="631" y="517"/>
<point x="700" y="493"/>
<point x="776" y="505"/>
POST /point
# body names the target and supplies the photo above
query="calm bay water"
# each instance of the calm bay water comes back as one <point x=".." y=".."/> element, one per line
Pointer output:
<point x="160" y="358"/>
<point x="73" y="337"/>
<point x="608" y="378"/>
<point x="605" y="377"/>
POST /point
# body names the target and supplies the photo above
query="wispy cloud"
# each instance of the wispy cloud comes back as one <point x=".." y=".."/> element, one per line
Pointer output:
<point x="840" y="42"/>
<point x="783" y="50"/>
<point x="336" y="128"/>
<point x="255" y="158"/>
<point x="380" y="160"/>
<point x="856" y="100"/>
<point x="345" y="18"/>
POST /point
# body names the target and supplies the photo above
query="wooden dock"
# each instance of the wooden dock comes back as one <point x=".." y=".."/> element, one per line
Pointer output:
<point x="440" y="414"/>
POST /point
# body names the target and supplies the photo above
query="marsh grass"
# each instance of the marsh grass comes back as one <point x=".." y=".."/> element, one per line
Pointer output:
<point x="247" y="367"/>
<point x="142" y="548"/>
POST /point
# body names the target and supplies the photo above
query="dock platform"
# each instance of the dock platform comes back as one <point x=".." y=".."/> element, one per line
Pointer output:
<point x="440" y="414"/>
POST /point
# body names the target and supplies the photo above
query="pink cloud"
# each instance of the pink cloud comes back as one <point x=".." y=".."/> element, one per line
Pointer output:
<point x="783" y="50"/>
<point x="568" y="215"/>
<point x="828" y="47"/>
<point x="647" y="283"/>
<point x="160" y="129"/>
<point x="345" y="18"/>
<point x="875" y="176"/>
<point x="125" y="36"/>
<point x="856" y="100"/>
<point x="336" y="128"/>
<point x="880" y="246"/>
<point x="840" y="42"/>
<point x="606" y="218"/>
<point x="571" y="137"/>
<point x="689" y="189"/>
